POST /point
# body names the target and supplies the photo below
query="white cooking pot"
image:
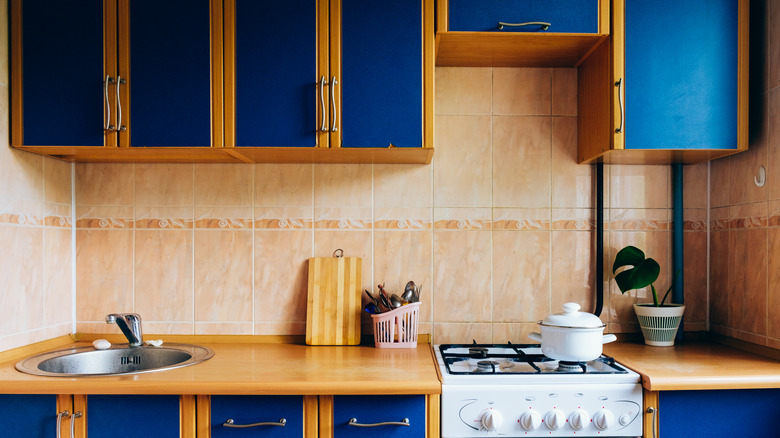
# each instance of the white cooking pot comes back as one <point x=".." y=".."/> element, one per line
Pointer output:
<point x="571" y="335"/>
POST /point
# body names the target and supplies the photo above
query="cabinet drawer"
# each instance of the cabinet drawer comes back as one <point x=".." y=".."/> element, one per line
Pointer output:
<point x="564" y="16"/>
<point x="251" y="409"/>
<point x="371" y="409"/>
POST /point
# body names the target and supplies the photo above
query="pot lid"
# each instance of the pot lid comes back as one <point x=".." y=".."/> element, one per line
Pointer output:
<point x="572" y="317"/>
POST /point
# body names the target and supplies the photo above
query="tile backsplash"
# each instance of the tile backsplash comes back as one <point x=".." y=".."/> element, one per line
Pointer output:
<point x="498" y="229"/>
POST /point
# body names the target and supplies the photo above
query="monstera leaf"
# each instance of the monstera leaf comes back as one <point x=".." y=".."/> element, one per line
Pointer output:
<point x="643" y="271"/>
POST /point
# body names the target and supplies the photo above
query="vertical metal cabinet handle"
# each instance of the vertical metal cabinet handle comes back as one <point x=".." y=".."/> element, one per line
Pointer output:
<point x="333" y="83"/>
<point x="323" y="127"/>
<point x="653" y="411"/>
<point x="120" y="127"/>
<point x="231" y="423"/>
<point x="107" y="126"/>
<point x="73" y="424"/>
<point x="543" y="24"/>
<point x="404" y="422"/>
<point x="619" y="84"/>
<point x="59" y="421"/>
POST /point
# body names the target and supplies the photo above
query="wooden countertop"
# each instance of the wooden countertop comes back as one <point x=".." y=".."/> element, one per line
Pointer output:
<point x="696" y="365"/>
<point x="254" y="368"/>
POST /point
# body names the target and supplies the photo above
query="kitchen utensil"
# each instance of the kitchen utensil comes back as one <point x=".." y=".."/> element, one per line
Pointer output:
<point x="333" y="304"/>
<point x="396" y="301"/>
<point x="571" y="335"/>
<point x="408" y="294"/>
<point x="371" y="297"/>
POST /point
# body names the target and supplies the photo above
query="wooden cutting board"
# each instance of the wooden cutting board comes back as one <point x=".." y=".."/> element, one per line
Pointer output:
<point x="333" y="304"/>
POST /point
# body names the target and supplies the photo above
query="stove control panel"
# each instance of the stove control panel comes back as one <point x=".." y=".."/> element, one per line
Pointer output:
<point x="603" y="410"/>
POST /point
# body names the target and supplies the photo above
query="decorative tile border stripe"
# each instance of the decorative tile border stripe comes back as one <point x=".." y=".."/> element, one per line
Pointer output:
<point x="164" y="223"/>
<point x="463" y="224"/>
<point x="639" y="225"/>
<point x="342" y="224"/>
<point x="524" y="224"/>
<point x="223" y="223"/>
<point x="283" y="224"/>
<point x="403" y="224"/>
<point x="20" y="219"/>
<point x="104" y="222"/>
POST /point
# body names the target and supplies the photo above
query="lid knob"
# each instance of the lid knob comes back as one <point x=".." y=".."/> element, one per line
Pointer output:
<point x="571" y="308"/>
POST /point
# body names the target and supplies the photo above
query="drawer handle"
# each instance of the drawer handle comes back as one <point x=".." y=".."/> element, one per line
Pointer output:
<point x="619" y="85"/>
<point x="73" y="424"/>
<point x="59" y="421"/>
<point x="230" y="423"/>
<point x="404" y="422"/>
<point x="544" y="25"/>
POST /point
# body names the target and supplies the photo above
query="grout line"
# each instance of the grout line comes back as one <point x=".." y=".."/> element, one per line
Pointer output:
<point x="73" y="295"/>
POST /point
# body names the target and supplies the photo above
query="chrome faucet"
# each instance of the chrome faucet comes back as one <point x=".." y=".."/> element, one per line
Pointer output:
<point x="130" y="324"/>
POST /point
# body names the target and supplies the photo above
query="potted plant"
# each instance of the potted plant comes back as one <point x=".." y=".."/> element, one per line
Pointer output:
<point x="659" y="321"/>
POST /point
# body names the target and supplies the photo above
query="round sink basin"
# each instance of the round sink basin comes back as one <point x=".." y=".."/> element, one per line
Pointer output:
<point x="117" y="360"/>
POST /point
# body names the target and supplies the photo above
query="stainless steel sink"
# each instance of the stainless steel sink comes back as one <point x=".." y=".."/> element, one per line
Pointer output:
<point x="117" y="360"/>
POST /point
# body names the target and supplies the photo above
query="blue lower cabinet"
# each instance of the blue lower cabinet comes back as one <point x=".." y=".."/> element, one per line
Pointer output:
<point x="373" y="409"/>
<point x="719" y="413"/>
<point x="253" y="409"/>
<point x="28" y="416"/>
<point x="110" y="416"/>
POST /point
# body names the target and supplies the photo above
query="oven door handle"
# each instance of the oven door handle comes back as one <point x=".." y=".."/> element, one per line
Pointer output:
<point x="353" y="422"/>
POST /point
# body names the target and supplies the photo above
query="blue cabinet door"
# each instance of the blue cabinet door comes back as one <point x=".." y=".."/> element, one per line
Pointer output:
<point x="170" y="72"/>
<point x="381" y="74"/>
<point x="368" y="409"/>
<point x="720" y="413"/>
<point x="28" y="416"/>
<point x="564" y="16"/>
<point x="62" y="73"/>
<point x="681" y="85"/>
<point x="109" y="416"/>
<point x="276" y="73"/>
<point x="251" y="409"/>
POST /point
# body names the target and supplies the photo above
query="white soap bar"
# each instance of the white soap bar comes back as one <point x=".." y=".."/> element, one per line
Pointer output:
<point x="101" y="344"/>
<point x="154" y="342"/>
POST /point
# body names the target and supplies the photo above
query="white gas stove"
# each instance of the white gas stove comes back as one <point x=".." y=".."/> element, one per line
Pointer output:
<point x="513" y="390"/>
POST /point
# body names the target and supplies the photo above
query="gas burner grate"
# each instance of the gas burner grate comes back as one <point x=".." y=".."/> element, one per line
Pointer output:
<point x="490" y="359"/>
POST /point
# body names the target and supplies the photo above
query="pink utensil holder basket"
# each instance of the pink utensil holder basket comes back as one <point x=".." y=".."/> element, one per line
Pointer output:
<point x="397" y="328"/>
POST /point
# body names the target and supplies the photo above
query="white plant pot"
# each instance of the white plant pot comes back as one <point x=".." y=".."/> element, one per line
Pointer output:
<point x="659" y="324"/>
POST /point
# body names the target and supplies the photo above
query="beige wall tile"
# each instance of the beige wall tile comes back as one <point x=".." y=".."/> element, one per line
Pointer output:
<point x="639" y="186"/>
<point x="719" y="182"/>
<point x="416" y="219"/>
<point x="342" y="218"/>
<point x="223" y="276"/>
<point x="773" y="144"/>
<point x="57" y="181"/>
<point x="164" y="184"/>
<point x="280" y="328"/>
<point x="747" y="309"/>
<point x="4" y="43"/>
<point x="463" y="333"/>
<point x="522" y="91"/>
<point x="719" y="277"/>
<point x="463" y="90"/>
<point x="283" y="218"/>
<point x="401" y="256"/>
<point x="284" y="185"/>
<point x="695" y="272"/>
<point x="223" y="328"/>
<point x="564" y="91"/>
<point x="773" y="292"/>
<point x="516" y="219"/>
<point x="573" y="184"/>
<point x="745" y="165"/>
<point x="695" y="185"/>
<point x="57" y="274"/>
<point x="521" y="161"/>
<point x="461" y="276"/>
<point x="223" y="217"/>
<point x="153" y="328"/>
<point x="773" y="57"/>
<point x="516" y="333"/>
<point x="163" y="217"/>
<point x="104" y="184"/>
<point x="521" y="276"/>
<point x="401" y="185"/>
<point x="342" y="185"/>
<point x="21" y="279"/>
<point x="163" y="275"/>
<point x="281" y="275"/>
<point x="462" y="169"/>
<point x="573" y="269"/>
<point x="223" y="185"/>
<point x="104" y="272"/>
<point x="474" y="219"/>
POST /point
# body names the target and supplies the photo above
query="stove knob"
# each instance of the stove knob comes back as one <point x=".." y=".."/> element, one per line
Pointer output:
<point x="491" y="420"/>
<point x="530" y="420"/>
<point x="603" y="419"/>
<point x="554" y="419"/>
<point x="579" y="419"/>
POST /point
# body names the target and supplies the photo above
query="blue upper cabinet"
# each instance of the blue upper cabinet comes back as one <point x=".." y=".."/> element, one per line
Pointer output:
<point x="564" y="16"/>
<point x="57" y="73"/>
<point x="381" y="80"/>
<point x="678" y="88"/>
<point x="167" y="71"/>
<point x="274" y="61"/>
<point x="519" y="33"/>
